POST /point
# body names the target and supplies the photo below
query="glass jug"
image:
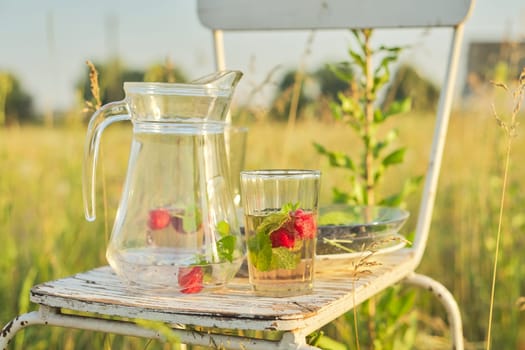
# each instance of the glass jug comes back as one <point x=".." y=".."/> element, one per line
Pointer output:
<point x="176" y="228"/>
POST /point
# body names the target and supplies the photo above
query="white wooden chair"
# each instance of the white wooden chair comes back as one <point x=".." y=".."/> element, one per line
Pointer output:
<point x="275" y="15"/>
<point x="98" y="300"/>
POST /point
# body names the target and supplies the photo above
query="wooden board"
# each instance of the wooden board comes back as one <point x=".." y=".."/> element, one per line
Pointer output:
<point x="100" y="291"/>
<point x="330" y="14"/>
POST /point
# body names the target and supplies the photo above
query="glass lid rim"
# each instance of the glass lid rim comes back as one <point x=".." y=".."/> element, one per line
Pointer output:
<point x="278" y="172"/>
<point x="161" y="88"/>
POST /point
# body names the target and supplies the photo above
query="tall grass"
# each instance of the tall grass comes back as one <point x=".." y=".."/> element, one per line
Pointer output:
<point x="45" y="236"/>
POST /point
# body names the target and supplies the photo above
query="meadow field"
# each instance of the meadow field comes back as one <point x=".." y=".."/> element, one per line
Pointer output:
<point x="44" y="234"/>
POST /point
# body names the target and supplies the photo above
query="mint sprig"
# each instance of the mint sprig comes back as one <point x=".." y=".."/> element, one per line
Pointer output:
<point x="262" y="255"/>
<point x="225" y="245"/>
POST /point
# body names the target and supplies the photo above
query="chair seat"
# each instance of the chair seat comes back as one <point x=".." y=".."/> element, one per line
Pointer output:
<point x="100" y="291"/>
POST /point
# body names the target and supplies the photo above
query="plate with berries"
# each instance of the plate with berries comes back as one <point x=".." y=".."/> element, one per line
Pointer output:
<point x="351" y="232"/>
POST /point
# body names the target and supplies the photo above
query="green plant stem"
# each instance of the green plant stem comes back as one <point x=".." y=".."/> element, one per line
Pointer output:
<point x="369" y="115"/>
<point x="369" y="158"/>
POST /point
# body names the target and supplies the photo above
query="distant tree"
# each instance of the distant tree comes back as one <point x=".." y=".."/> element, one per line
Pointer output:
<point x="407" y="82"/>
<point x="281" y="104"/>
<point x="6" y="85"/>
<point x="16" y="105"/>
<point x="166" y="73"/>
<point x="113" y="74"/>
<point x="330" y="81"/>
<point x="323" y="85"/>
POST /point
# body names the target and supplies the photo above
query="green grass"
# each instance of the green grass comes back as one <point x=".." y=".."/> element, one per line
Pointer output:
<point x="45" y="236"/>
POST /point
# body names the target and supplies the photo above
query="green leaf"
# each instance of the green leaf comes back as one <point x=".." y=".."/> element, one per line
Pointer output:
<point x="324" y="342"/>
<point x="319" y="148"/>
<point x="260" y="251"/>
<point x="348" y="104"/>
<point x="358" y="59"/>
<point x="272" y="222"/>
<point x="394" y="200"/>
<point x="284" y="258"/>
<point x="392" y="49"/>
<point x="398" y="107"/>
<point x="337" y="111"/>
<point x="340" y="160"/>
<point x="342" y="70"/>
<point x="385" y="62"/>
<point x="395" y="157"/>
<point x="226" y="247"/>
<point x="379" y="116"/>
<point x="380" y="80"/>
<point x="339" y="196"/>
<point x="379" y="146"/>
<point x="289" y="207"/>
<point x="409" y="186"/>
<point x="262" y="255"/>
<point x="336" y="159"/>
<point x="392" y="135"/>
<point x="223" y="228"/>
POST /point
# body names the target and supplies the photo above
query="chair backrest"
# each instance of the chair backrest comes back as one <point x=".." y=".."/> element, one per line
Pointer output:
<point x="330" y="14"/>
<point x="251" y="15"/>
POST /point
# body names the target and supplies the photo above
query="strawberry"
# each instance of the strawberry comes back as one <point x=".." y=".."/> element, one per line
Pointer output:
<point x="158" y="219"/>
<point x="282" y="238"/>
<point x="304" y="224"/>
<point x="190" y="279"/>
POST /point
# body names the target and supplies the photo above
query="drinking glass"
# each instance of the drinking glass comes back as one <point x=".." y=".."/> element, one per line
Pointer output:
<point x="280" y="213"/>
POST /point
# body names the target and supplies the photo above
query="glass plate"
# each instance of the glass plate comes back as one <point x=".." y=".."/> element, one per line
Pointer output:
<point x="346" y="232"/>
<point x="401" y="242"/>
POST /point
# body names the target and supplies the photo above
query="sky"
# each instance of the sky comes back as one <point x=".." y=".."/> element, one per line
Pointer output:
<point x="46" y="43"/>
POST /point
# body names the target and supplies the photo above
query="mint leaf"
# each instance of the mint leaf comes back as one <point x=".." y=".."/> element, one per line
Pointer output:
<point x="284" y="258"/>
<point x="289" y="207"/>
<point x="260" y="248"/>
<point x="272" y="222"/>
<point x="262" y="256"/>
<point x="226" y="247"/>
<point x="223" y="228"/>
<point x="275" y="220"/>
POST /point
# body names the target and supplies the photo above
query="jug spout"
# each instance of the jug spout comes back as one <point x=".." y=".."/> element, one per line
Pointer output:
<point x="203" y="101"/>
<point x="223" y="80"/>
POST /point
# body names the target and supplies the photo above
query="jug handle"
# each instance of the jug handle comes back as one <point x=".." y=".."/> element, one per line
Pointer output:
<point x="107" y="114"/>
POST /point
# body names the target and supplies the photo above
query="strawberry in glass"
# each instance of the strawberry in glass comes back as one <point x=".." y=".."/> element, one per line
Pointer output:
<point x="281" y="246"/>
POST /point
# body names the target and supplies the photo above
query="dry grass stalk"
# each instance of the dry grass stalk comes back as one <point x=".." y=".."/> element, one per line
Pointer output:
<point x="94" y="88"/>
<point x="296" y="94"/>
<point x="363" y="267"/>
<point x="509" y="127"/>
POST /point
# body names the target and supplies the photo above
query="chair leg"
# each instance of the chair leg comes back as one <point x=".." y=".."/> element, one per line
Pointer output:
<point x="51" y="317"/>
<point x="18" y="323"/>
<point x="447" y="300"/>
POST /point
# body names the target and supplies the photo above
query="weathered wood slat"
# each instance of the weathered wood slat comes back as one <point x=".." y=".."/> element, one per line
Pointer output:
<point x="101" y="291"/>
<point x="330" y="14"/>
